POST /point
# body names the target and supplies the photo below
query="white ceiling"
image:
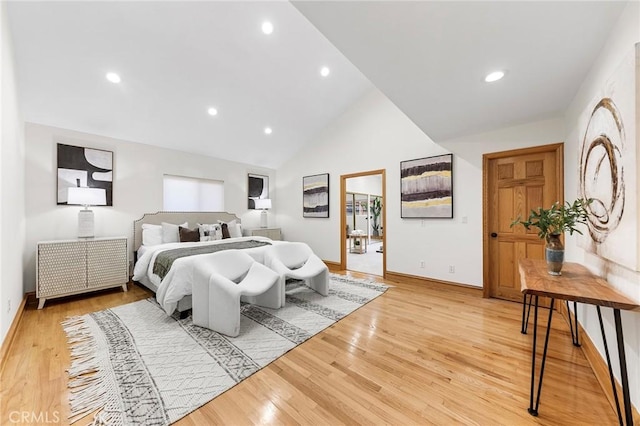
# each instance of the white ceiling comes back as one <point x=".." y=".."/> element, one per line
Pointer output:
<point x="178" y="58"/>
<point x="430" y="58"/>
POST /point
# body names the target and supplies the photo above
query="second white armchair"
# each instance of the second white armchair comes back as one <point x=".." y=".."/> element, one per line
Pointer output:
<point x="297" y="260"/>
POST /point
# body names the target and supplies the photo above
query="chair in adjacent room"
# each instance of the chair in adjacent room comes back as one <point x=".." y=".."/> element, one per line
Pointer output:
<point x="297" y="260"/>
<point x="221" y="280"/>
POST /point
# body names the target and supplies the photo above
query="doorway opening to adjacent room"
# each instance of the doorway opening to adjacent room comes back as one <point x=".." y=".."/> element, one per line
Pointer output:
<point x="514" y="183"/>
<point x="363" y="222"/>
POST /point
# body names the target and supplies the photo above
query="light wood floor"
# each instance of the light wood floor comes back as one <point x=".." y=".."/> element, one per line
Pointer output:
<point x="416" y="355"/>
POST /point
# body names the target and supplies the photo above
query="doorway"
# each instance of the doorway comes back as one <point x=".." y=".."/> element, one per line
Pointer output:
<point x="514" y="183"/>
<point x="362" y="222"/>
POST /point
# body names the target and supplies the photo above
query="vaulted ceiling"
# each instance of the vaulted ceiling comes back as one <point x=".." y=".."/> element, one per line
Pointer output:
<point x="431" y="57"/>
<point x="178" y="59"/>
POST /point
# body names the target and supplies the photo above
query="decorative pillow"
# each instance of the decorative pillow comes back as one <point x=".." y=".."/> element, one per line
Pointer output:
<point x="188" y="236"/>
<point x="210" y="232"/>
<point x="225" y="231"/>
<point x="151" y="234"/>
<point x="235" y="229"/>
<point x="171" y="233"/>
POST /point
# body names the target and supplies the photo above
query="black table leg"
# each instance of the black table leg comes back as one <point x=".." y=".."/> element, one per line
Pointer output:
<point x="611" y="377"/>
<point x="527" y="309"/>
<point x="573" y="325"/>
<point x="623" y="369"/>
<point x="533" y="410"/>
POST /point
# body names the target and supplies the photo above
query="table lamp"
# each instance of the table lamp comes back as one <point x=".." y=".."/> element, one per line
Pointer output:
<point x="86" y="197"/>
<point x="263" y="204"/>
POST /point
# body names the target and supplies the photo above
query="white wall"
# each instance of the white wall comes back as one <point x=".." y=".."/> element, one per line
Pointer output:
<point x="137" y="187"/>
<point x="12" y="222"/>
<point x="374" y="134"/>
<point x="620" y="43"/>
<point x="371" y="184"/>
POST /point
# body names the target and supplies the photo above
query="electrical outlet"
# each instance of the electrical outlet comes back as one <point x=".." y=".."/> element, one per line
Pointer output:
<point x="422" y="263"/>
<point x="423" y="222"/>
<point x="9" y="306"/>
<point x="465" y="219"/>
<point x="452" y="269"/>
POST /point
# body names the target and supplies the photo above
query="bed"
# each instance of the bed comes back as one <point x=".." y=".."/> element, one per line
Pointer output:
<point x="165" y="265"/>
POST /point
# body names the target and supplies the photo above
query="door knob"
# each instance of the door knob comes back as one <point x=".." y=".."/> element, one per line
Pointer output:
<point x="494" y="235"/>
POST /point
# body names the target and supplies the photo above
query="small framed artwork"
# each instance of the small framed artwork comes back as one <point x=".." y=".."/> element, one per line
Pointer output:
<point x="80" y="167"/>
<point x="426" y="187"/>
<point x="315" y="195"/>
<point x="258" y="189"/>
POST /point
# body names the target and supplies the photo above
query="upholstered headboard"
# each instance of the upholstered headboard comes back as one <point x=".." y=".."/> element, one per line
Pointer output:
<point x="177" y="218"/>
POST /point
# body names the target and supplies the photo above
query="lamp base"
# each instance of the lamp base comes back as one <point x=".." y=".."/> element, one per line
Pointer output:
<point x="85" y="223"/>
<point x="263" y="219"/>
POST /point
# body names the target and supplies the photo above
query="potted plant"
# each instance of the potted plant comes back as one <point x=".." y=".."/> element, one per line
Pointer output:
<point x="552" y="223"/>
<point x="375" y="208"/>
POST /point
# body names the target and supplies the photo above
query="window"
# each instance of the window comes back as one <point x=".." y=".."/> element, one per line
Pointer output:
<point x="184" y="194"/>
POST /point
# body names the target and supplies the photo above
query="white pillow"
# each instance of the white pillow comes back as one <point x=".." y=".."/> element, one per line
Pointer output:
<point x="151" y="234"/>
<point x="171" y="233"/>
<point x="234" y="227"/>
<point x="210" y="232"/>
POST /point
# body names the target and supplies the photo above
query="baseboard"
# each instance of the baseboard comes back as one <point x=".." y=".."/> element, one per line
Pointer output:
<point x="599" y="366"/>
<point x="333" y="266"/>
<point x="414" y="279"/>
<point x="11" y="333"/>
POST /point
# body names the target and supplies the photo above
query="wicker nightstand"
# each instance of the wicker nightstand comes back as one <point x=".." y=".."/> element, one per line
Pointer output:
<point x="69" y="267"/>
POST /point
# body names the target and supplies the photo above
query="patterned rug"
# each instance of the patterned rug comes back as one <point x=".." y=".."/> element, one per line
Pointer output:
<point x="136" y="365"/>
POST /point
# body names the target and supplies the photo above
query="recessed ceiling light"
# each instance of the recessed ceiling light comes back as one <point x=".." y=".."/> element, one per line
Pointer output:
<point x="267" y="27"/>
<point x="212" y="111"/>
<point x="268" y="130"/>
<point x="494" y="76"/>
<point x="325" y="71"/>
<point x="113" y="77"/>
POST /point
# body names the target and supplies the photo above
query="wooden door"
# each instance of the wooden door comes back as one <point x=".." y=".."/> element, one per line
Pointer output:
<point x="515" y="182"/>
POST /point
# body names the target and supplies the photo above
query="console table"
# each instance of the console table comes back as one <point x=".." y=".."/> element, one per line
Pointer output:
<point x="576" y="284"/>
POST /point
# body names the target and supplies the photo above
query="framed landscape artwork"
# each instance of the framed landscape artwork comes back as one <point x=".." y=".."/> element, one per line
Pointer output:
<point x="426" y="189"/>
<point x="315" y="195"/>
<point x="86" y="168"/>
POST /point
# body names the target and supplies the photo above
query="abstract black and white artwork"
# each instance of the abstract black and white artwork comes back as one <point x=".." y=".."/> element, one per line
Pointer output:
<point x="426" y="189"/>
<point x="258" y="189"/>
<point x="608" y="140"/>
<point x="315" y="195"/>
<point x="84" y="167"/>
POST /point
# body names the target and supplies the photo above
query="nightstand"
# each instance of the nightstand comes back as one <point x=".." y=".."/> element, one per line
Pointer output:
<point x="67" y="267"/>
<point x="272" y="233"/>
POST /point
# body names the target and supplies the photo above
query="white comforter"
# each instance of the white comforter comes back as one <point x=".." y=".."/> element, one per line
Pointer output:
<point x="178" y="282"/>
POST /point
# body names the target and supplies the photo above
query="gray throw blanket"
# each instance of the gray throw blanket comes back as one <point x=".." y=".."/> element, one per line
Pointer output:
<point x="165" y="259"/>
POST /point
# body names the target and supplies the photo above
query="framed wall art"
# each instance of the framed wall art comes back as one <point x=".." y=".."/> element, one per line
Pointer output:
<point x="426" y="189"/>
<point x="258" y="189"/>
<point x="84" y="168"/>
<point x="315" y="195"/>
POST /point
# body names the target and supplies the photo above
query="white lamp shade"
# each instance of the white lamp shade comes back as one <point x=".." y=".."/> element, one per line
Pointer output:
<point x="83" y="196"/>
<point x="263" y="203"/>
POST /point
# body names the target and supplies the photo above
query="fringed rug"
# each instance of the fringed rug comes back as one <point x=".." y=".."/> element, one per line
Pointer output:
<point x="135" y="365"/>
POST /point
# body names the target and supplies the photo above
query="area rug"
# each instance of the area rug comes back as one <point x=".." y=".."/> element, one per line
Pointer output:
<point x="135" y="365"/>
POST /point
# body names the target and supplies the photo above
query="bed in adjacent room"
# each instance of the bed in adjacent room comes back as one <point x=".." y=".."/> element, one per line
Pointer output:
<point x="168" y="244"/>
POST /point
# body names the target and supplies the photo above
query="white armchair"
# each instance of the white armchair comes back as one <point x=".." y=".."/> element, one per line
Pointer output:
<point x="297" y="260"/>
<point x="222" y="280"/>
